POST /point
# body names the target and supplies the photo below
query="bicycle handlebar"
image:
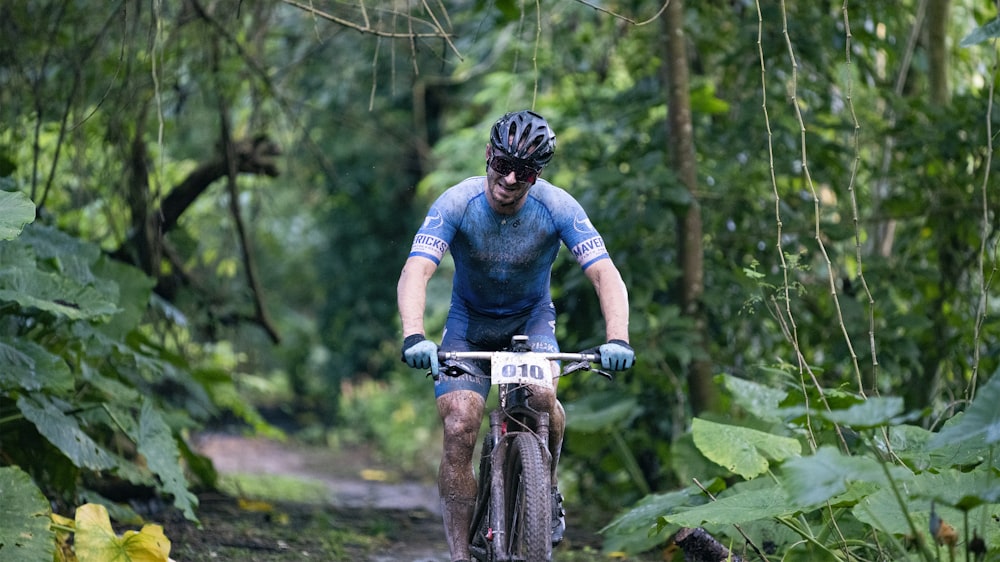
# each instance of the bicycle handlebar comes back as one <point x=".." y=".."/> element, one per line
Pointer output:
<point x="588" y="357"/>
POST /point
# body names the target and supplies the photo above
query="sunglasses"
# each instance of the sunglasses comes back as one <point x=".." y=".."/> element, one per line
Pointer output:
<point x="504" y="166"/>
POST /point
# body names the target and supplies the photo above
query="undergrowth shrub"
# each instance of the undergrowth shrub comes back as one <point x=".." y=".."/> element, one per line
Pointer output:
<point x="855" y="481"/>
<point x="93" y="396"/>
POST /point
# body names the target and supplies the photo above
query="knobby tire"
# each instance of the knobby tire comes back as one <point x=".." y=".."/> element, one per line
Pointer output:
<point x="527" y="499"/>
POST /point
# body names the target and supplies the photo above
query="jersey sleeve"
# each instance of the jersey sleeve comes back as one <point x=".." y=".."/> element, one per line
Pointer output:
<point x="585" y="242"/>
<point x="442" y="221"/>
<point x="576" y="230"/>
<point x="433" y="237"/>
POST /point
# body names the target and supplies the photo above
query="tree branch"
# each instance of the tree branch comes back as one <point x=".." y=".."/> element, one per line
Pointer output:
<point x="249" y="263"/>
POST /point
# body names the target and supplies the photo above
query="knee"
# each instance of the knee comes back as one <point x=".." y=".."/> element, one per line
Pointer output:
<point x="462" y="417"/>
<point x="546" y="402"/>
<point x="461" y="429"/>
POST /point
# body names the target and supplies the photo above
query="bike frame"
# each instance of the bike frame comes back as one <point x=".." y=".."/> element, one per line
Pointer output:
<point x="511" y="418"/>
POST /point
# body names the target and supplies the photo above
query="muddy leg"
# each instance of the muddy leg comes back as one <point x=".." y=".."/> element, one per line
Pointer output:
<point x="461" y="412"/>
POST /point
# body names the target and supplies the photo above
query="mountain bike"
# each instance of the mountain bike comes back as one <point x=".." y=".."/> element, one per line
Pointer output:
<point x="512" y="520"/>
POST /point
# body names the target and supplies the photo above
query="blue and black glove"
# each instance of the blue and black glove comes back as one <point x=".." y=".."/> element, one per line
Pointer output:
<point x="617" y="355"/>
<point x="420" y="353"/>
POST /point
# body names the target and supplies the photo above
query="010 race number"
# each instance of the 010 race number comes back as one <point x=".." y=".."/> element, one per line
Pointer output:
<point x="520" y="368"/>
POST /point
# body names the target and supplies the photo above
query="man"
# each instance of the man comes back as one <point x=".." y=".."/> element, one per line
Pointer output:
<point x="504" y="232"/>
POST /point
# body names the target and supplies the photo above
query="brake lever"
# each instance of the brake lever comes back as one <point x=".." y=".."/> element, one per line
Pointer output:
<point x="576" y="366"/>
<point x="586" y="366"/>
<point x="604" y="374"/>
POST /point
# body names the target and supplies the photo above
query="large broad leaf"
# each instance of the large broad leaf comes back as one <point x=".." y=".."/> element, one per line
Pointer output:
<point x="59" y="295"/>
<point x="910" y="443"/>
<point x="742" y="450"/>
<point x="96" y="541"/>
<point x="134" y="289"/>
<point x="16" y="210"/>
<point x="636" y="530"/>
<point x="757" y="399"/>
<point x="600" y="412"/>
<point x="873" y="412"/>
<point x="156" y="443"/>
<point x="740" y="506"/>
<point x="64" y="432"/>
<point x="58" y="252"/>
<point x="48" y="270"/>
<point x="24" y="519"/>
<point x="980" y="421"/>
<point x="29" y="366"/>
<point x="810" y="481"/>
<point x="974" y="491"/>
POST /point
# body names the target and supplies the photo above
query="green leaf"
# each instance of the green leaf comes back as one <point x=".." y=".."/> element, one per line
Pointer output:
<point x="54" y="293"/>
<point x="910" y="443"/>
<point x="982" y="33"/>
<point x="636" y="530"/>
<point x="64" y="432"/>
<point x="156" y="443"/>
<point x="29" y="366"/>
<point x="757" y="399"/>
<point x="24" y="519"/>
<point x="980" y="421"/>
<point x="742" y="450"/>
<point x="873" y="412"/>
<point x="599" y="412"/>
<point x="134" y="290"/>
<point x="16" y="210"/>
<point x="738" y="507"/>
<point x="810" y="481"/>
<point x="975" y="491"/>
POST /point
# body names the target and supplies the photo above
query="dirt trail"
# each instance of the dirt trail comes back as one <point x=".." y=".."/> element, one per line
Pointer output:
<point x="366" y="496"/>
<point x="353" y="482"/>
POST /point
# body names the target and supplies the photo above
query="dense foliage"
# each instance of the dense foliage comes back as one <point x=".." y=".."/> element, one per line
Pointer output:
<point x="222" y="193"/>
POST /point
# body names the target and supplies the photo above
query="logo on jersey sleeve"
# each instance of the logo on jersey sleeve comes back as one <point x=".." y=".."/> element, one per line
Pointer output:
<point x="428" y="245"/>
<point x="433" y="220"/>
<point x="589" y="250"/>
<point x="582" y="224"/>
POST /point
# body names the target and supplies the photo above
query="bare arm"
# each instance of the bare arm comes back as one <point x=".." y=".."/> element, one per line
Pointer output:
<point x="411" y="293"/>
<point x="613" y="295"/>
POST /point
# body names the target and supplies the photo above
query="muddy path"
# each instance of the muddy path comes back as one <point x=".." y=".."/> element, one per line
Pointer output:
<point x="362" y="511"/>
<point x="359" y="495"/>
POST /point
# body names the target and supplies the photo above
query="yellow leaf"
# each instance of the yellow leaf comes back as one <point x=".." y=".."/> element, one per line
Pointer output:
<point x="147" y="545"/>
<point x="254" y="505"/>
<point x="96" y="541"/>
<point x="64" y="550"/>
<point x="374" y="475"/>
<point x="61" y="520"/>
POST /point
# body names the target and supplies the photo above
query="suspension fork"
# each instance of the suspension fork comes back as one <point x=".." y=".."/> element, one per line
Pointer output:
<point x="501" y="440"/>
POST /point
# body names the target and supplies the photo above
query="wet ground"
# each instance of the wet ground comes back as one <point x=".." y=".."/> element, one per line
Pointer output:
<point x="352" y="508"/>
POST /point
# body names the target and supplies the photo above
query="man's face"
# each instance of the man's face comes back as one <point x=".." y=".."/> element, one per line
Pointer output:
<point x="507" y="181"/>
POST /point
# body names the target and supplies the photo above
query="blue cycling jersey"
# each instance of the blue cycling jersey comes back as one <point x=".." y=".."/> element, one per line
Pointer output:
<point x="503" y="262"/>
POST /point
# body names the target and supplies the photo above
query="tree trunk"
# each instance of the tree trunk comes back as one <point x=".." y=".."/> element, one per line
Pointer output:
<point x="937" y="51"/>
<point x="701" y="391"/>
<point x="699" y="546"/>
<point x="921" y="393"/>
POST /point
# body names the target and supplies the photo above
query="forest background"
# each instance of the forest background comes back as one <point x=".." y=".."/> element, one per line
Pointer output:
<point x="206" y="205"/>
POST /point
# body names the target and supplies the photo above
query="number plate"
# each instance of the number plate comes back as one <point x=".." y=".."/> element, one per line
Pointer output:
<point x="520" y="368"/>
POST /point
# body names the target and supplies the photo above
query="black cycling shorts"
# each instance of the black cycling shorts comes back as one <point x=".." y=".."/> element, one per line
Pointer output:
<point x="466" y="330"/>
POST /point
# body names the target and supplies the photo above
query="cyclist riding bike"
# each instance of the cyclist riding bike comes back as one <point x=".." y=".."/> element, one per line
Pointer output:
<point x="504" y="231"/>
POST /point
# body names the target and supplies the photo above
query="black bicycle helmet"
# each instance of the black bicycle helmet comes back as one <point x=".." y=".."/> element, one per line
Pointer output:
<point x="524" y="135"/>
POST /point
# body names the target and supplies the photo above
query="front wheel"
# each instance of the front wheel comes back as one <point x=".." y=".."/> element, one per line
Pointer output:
<point x="527" y="501"/>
